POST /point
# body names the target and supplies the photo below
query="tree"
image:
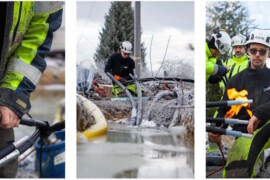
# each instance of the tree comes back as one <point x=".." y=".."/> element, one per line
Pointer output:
<point x="229" y="15"/>
<point x="234" y="19"/>
<point x="118" y="27"/>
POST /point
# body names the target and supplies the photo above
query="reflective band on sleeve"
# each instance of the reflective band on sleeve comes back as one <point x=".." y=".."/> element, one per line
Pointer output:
<point x="47" y="6"/>
<point x="32" y="73"/>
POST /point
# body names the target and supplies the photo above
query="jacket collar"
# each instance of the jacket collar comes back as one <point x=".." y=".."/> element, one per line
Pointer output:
<point x="241" y="59"/>
<point x="208" y="52"/>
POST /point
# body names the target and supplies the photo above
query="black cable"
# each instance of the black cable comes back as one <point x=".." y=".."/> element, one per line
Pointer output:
<point x="29" y="115"/>
<point x="6" y="150"/>
<point x="163" y="78"/>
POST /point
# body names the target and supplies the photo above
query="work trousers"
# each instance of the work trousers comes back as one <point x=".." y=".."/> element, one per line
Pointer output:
<point x="10" y="169"/>
<point x="246" y="158"/>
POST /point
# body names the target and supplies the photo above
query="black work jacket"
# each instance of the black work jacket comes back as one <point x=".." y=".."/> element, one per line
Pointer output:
<point x="117" y="65"/>
<point x="257" y="84"/>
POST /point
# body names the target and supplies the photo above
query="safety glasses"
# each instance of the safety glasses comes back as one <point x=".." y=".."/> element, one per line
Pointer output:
<point x="126" y="54"/>
<point x="262" y="52"/>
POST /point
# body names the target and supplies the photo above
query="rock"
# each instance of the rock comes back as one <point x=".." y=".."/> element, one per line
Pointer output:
<point x="84" y="117"/>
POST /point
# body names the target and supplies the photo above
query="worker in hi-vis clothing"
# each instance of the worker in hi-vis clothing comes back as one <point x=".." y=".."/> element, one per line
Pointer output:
<point x="26" y="33"/>
<point x="239" y="60"/>
<point x="121" y="65"/>
<point x="220" y="43"/>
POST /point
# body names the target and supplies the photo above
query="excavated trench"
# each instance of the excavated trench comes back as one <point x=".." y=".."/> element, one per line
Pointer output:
<point x="161" y="114"/>
<point x="150" y="150"/>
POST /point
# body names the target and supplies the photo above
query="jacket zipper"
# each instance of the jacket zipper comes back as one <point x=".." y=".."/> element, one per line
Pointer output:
<point x="17" y="25"/>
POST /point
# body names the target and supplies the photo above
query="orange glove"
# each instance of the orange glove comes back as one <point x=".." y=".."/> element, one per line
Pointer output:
<point x="117" y="77"/>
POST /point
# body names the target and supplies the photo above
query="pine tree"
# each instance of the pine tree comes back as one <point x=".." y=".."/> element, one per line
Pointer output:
<point x="118" y="27"/>
<point x="234" y="19"/>
<point x="229" y="15"/>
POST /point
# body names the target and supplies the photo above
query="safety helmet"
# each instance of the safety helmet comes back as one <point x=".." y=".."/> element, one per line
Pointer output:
<point x="259" y="36"/>
<point x="222" y="41"/>
<point x="239" y="40"/>
<point x="126" y="46"/>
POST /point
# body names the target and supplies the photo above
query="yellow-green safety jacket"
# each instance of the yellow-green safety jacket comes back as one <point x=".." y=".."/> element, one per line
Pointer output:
<point x="236" y="65"/>
<point x="210" y="62"/>
<point x="26" y="39"/>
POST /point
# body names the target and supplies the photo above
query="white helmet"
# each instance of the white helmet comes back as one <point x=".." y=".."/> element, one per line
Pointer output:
<point x="222" y="42"/>
<point x="239" y="40"/>
<point x="260" y="37"/>
<point x="126" y="46"/>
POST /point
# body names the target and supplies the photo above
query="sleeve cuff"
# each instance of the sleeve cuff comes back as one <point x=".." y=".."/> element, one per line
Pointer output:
<point x="19" y="104"/>
<point x="260" y="116"/>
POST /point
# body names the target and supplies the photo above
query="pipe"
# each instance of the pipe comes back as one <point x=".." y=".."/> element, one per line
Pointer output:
<point x="227" y="103"/>
<point x="226" y="121"/>
<point x="11" y="147"/>
<point x="139" y="99"/>
<point x="20" y="149"/>
<point x="34" y="122"/>
<point x="178" y="92"/>
<point x="134" y="110"/>
<point x="227" y="132"/>
<point x="158" y="96"/>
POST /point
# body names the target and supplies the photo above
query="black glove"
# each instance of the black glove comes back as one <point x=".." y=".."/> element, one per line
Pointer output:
<point x="222" y="71"/>
<point x="214" y="79"/>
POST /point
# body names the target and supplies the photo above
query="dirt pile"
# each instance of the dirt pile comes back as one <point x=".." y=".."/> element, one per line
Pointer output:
<point x="84" y="118"/>
<point x="161" y="114"/>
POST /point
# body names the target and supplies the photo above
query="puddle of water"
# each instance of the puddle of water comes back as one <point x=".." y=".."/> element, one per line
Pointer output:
<point x="128" y="152"/>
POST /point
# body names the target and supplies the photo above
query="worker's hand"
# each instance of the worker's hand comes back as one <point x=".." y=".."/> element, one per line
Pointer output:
<point x="9" y="118"/>
<point x="228" y="68"/>
<point x="215" y="138"/>
<point x="117" y="77"/>
<point x="252" y="124"/>
<point x="222" y="70"/>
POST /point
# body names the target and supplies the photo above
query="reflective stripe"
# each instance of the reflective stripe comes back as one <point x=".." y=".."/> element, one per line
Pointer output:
<point x="46" y="6"/>
<point x="32" y="73"/>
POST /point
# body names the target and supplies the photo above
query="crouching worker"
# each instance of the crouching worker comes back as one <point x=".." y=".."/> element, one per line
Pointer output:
<point x="245" y="159"/>
<point x="120" y="65"/>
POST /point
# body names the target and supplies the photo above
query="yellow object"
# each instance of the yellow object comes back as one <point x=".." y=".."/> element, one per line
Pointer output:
<point x="101" y="125"/>
<point x="233" y="94"/>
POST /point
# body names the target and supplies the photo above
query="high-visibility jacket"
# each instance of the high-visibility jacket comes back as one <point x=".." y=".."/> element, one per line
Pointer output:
<point x="26" y="39"/>
<point x="236" y="65"/>
<point x="210" y="62"/>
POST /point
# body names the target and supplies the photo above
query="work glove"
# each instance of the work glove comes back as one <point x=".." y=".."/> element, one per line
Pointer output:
<point x="222" y="70"/>
<point x="117" y="77"/>
<point x="214" y="79"/>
